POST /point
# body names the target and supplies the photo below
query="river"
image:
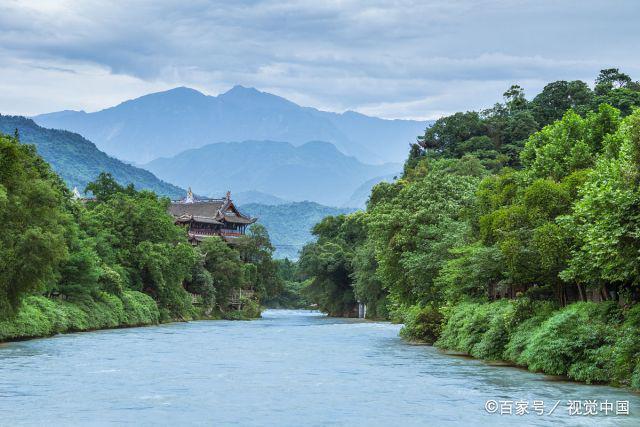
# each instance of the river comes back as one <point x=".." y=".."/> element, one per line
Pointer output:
<point x="290" y="368"/>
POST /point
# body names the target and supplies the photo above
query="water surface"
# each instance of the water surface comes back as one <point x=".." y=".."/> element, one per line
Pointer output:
<point x="290" y="368"/>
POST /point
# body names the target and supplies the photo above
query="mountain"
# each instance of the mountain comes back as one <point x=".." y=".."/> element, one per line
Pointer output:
<point x="361" y="194"/>
<point x="314" y="171"/>
<point x="78" y="161"/>
<point x="166" y="123"/>
<point x="289" y="225"/>
<point x="246" y="197"/>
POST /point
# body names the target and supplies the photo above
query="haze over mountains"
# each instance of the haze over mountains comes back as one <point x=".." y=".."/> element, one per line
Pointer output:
<point x="166" y="123"/>
<point x="267" y="150"/>
<point x="314" y="171"/>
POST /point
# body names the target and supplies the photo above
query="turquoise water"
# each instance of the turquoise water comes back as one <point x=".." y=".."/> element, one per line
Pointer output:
<point x="291" y="368"/>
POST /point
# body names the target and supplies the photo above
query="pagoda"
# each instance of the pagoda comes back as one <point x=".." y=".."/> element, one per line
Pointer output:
<point x="210" y="217"/>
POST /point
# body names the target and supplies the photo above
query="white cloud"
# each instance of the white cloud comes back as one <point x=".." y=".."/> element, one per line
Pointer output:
<point x="395" y="59"/>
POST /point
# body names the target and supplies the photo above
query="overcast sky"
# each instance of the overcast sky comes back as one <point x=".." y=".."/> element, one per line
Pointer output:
<point x="396" y="59"/>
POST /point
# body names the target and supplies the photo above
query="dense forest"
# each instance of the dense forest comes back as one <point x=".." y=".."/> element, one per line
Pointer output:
<point x="513" y="234"/>
<point x="114" y="260"/>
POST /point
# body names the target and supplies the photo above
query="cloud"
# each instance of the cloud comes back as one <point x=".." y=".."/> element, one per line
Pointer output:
<point x="394" y="59"/>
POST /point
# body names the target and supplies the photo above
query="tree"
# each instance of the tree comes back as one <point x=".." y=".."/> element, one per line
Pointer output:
<point x="447" y="132"/>
<point x="256" y="248"/>
<point x="605" y="220"/>
<point x="610" y="79"/>
<point x="224" y="265"/>
<point x="105" y="186"/>
<point x="34" y="217"/>
<point x="514" y="99"/>
<point x="558" y="97"/>
<point x="413" y="231"/>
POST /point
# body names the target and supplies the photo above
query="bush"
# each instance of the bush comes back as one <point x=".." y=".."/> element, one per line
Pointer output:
<point x="574" y="341"/>
<point x="466" y="326"/>
<point x="39" y="316"/>
<point x="422" y="324"/>
<point x="250" y="310"/>
<point x="528" y="316"/>
<point x="589" y="342"/>
<point x="626" y="351"/>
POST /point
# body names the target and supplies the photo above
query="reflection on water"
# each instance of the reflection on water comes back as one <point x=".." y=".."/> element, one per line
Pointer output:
<point x="290" y="368"/>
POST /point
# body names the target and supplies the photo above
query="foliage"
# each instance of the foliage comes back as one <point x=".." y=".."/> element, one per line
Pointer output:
<point x="35" y="216"/>
<point x="422" y="324"/>
<point x="95" y="257"/>
<point x="505" y="222"/>
<point x="40" y="316"/>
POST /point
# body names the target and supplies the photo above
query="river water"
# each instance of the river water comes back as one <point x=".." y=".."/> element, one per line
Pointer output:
<point x="291" y="368"/>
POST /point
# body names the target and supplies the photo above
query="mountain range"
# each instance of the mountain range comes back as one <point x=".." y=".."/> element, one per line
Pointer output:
<point x="79" y="161"/>
<point x="314" y="171"/>
<point x="166" y="123"/>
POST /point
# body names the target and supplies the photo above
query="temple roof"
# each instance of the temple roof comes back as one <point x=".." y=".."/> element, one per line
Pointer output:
<point x="208" y="209"/>
<point x="212" y="211"/>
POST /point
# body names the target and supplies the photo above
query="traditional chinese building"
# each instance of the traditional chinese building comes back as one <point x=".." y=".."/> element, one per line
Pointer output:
<point x="210" y="217"/>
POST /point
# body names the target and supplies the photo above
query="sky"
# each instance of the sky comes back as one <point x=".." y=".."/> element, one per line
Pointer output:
<point x="392" y="59"/>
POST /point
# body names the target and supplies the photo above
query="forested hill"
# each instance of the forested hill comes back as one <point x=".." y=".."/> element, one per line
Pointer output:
<point x="165" y="123"/>
<point x="314" y="171"/>
<point x="289" y="225"/>
<point x="78" y="161"/>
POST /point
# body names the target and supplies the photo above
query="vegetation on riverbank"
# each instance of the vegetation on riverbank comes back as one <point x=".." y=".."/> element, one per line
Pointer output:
<point x="68" y="265"/>
<point x="512" y="234"/>
<point x="39" y="316"/>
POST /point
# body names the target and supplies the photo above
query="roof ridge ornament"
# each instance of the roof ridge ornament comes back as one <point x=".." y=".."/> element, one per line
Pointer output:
<point x="75" y="194"/>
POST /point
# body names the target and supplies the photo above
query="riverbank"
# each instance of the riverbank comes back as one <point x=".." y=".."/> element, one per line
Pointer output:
<point x="40" y="317"/>
<point x="586" y="342"/>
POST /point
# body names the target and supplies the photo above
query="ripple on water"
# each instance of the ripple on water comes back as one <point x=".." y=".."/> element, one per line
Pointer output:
<point x="288" y="368"/>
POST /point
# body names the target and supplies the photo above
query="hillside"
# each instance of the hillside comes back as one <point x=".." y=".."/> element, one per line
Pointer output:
<point x="290" y="224"/>
<point x="166" y="123"/>
<point x="315" y="171"/>
<point x="78" y="161"/>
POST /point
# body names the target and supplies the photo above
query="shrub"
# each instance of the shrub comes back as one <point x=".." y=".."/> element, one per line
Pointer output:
<point x="250" y="310"/>
<point x="39" y="316"/>
<point x="574" y="341"/>
<point x="422" y="324"/>
<point x="527" y="317"/>
<point x="481" y="330"/>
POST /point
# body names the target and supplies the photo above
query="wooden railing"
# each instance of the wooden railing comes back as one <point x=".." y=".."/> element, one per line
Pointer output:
<point x="219" y="232"/>
<point x="237" y="295"/>
<point x="203" y="232"/>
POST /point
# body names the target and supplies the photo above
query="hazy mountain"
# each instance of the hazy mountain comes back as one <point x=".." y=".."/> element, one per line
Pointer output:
<point x="314" y="171"/>
<point x="361" y="194"/>
<point x="164" y="124"/>
<point x="289" y="225"/>
<point x="246" y="197"/>
<point x="78" y="161"/>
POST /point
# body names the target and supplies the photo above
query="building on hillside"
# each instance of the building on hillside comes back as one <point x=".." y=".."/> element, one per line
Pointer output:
<point x="210" y="217"/>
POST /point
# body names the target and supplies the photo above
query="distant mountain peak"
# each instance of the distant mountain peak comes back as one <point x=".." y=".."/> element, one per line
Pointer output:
<point x="163" y="124"/>
<point x="239" y="89"/>
<point x="248" y="96"/>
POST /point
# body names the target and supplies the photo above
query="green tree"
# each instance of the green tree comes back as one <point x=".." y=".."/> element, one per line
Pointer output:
<point x="225" y="266"/>
<point x="34" y="218"/>
<point x="558" y="97"/>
